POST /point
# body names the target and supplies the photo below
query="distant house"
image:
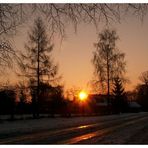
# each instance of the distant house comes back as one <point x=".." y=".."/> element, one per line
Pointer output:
<point x="134" y="106"/>
<point x="99" y="103"/>
<point x="98" y="99"/>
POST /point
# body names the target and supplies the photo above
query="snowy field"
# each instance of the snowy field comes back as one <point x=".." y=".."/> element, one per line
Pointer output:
<point x="31" y="125"/>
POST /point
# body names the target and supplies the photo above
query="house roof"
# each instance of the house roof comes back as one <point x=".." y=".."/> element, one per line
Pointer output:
<point x="134" y="104"/>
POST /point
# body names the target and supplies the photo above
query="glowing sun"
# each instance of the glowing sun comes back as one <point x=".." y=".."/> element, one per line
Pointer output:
<point x="83" y="95"/>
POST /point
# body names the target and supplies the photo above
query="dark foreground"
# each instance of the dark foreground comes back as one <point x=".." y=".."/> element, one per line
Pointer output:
<point x="116" y="129"/>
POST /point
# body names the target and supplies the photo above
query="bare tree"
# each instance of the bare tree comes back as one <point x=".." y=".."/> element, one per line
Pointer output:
<point x="144" y="78"/>
<point x="37" y="63"/>
<point x="59" y="16"/>
<point x="11" y="16"/>
<point x="108" y="61"/>
<point x="7" y="55"/>
<point x="72" y="93"/>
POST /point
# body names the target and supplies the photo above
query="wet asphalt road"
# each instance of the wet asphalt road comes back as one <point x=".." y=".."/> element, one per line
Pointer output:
<point x="131" y="129"/>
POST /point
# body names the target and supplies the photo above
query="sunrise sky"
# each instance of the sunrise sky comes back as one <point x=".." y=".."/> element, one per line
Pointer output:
<point x="74" y="54"/>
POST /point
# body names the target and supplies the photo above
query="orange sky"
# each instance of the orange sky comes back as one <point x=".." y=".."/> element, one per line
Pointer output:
<point x="75" y="53"/>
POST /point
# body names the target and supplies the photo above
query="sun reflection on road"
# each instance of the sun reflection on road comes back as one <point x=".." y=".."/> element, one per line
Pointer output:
<point x="83" y="126"/>
<point x="80" y="138"/>
<point x="88" y="136"/>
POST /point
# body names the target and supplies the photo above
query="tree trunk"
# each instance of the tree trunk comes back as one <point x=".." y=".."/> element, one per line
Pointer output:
<point x="38" y="79"/>
<point x="108" y="82"/>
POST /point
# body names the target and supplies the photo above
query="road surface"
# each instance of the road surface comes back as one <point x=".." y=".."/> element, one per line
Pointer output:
<point x="116" y="129"/>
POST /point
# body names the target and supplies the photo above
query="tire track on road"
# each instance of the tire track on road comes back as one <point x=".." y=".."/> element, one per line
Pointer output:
<point x="73" y="131"/>
<point x="83" y="139"/>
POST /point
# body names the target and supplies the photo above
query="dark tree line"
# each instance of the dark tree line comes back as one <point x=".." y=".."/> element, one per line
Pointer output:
<point x="7" y="102"/>
<point x="141" y="91"/>
<point x="15" y="101"/>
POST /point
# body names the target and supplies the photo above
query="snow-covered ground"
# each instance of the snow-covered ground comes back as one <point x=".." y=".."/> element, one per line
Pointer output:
<point x="30" y="125"/>
<point x="136" y="133"/>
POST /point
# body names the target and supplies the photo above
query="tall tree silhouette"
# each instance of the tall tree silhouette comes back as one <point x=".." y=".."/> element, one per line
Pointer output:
<point x="108" y="61"/>
<point x="37" y="63"/>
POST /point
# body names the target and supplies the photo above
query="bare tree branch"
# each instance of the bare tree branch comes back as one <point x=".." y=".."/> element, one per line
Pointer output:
<point x="59" y="16"/>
